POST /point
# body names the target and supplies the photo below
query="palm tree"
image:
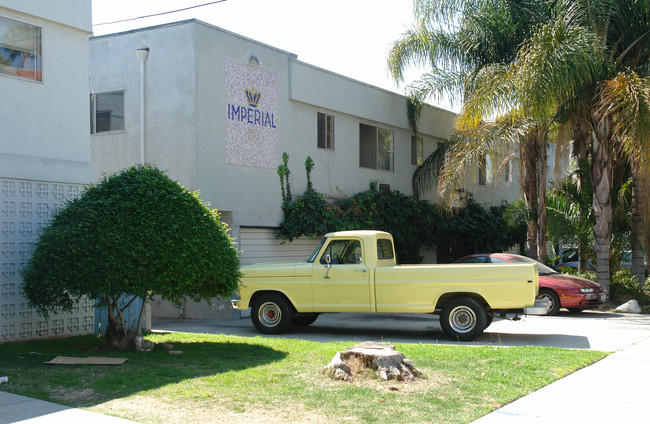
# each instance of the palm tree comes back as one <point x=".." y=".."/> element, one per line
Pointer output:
<point x="614" y="64"/>
<point x="589" y="66"/>
<point x="463" y="41"/>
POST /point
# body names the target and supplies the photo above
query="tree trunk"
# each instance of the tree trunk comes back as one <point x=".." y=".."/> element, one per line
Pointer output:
<point x="638" y="229"/>
<point x="382" y="358"/>
<point x="601" y="174"/>
<point x="530" y="191"/>
<point x="541" y="193"/>
<point x="117" y="336"/>
<point x="580" y="152"/>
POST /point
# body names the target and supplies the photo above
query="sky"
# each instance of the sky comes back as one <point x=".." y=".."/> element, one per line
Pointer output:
<point x="349" y="37"/>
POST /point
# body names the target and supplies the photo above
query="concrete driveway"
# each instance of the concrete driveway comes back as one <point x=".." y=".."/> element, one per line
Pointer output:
<point x="588" y="330"/>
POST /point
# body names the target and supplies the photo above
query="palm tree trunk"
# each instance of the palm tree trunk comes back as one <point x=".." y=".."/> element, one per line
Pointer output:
<point x="580" y="152"/>
<point x="601" y="175"/>
<point x="530" y="192"/>
<point x="638" y="230"/>
<point x="541" y="193"/>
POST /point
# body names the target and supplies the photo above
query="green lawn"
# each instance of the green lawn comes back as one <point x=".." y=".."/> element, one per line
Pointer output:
<point x="232" y="379"/>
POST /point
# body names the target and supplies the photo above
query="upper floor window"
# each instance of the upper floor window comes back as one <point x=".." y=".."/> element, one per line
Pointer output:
<point x="485" y="171"/>
<point x="20" y="50"/>
<point x="107" y="111"/>
<point x="325" y="131"/>
<point x="375" y="147"/>
<point x="417" y="150"/>
<point x="508" y="171"/>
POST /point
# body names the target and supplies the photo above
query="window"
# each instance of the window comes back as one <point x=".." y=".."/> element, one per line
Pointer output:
<point x="107" y="112"/>
<point x="343" y="252"/>
<point x="375" y="147"/>
<point x="384" y="187"/>
<point x="508" y="171"/>
<point x="325" y="131"/>
<point x="384" y="249"/>
<point x="485" y="172"/>
<point x="417" y="150"/>
<point x="20" y="50"/>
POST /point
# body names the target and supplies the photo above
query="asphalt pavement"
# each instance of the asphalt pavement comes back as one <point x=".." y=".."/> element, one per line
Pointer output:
<point x="610" y="390"/>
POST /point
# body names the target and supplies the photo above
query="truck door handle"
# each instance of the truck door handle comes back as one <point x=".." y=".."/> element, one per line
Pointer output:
<point x="361" y="270"/>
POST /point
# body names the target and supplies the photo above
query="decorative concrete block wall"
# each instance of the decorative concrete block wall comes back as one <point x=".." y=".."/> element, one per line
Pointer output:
<point x="25" y="209"/>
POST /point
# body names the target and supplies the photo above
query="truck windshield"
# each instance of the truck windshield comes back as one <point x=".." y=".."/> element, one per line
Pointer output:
<point x="312" y="257"/>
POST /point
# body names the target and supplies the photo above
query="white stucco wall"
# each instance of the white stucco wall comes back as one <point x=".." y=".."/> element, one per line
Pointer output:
<point x="188" y="131"/>
<point x="44" y="156"/>
<point x="170" y="99"/>
<point x="42" y="133"/>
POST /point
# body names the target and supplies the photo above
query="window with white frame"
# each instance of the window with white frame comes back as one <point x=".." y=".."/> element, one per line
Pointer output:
<point x="325" y="131"/>
<point x="107" y="112"/>
<point x="375" y="147"/>
<point x="20" y="50"/>
<point x="417" y="150"/>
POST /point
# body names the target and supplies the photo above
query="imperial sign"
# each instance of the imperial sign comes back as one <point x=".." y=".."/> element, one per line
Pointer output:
<point x="251" y="116"/>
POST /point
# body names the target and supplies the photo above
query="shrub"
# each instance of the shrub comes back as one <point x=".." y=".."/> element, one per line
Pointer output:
<point x="136" y="233"/>
<point x="623" y="287"/>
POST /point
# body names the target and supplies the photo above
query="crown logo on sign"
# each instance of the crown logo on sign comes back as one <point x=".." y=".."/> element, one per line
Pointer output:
<point x="253" y="97"/>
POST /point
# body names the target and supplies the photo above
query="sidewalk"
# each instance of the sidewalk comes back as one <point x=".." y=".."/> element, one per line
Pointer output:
<point x="24" y="410"/>
<point x="614" y="389"/>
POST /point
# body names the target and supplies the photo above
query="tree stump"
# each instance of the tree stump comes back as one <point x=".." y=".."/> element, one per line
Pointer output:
<point x="382" y="358"/>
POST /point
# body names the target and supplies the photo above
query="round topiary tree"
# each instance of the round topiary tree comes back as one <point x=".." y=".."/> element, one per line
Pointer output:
<point x="135" y="233"/>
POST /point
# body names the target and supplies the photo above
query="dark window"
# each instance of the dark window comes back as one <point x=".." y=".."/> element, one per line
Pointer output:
<point x="417" y="150"/>
<point x="384" y="249"/>
<point x="325" y="131"/>
<point x="375" y="147"/>
<point x="106" y="112"/>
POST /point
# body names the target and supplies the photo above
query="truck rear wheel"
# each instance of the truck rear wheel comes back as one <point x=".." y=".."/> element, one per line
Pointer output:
<point x="463" y="319"/>
<point x="271" y="314"/>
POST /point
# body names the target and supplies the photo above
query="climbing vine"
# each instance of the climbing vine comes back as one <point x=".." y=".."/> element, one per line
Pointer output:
<point x="413" y="223"/>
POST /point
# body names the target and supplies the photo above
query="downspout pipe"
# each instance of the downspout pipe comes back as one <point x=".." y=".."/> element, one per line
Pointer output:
<point x="142" y="53"/>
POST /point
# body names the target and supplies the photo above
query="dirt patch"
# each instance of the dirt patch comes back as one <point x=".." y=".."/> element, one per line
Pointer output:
<point x="151" y="410"/>
<point x="69" y="396"/>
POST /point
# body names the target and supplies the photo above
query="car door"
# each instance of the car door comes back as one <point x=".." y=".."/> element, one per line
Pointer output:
<point x="342" y="282"/>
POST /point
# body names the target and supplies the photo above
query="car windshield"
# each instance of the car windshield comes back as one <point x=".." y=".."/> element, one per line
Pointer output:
<point x="312" y="257"/>
<point x="541" y="268"/>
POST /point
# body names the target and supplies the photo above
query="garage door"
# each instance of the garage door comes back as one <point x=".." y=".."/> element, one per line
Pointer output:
<point x="260" y="245"/>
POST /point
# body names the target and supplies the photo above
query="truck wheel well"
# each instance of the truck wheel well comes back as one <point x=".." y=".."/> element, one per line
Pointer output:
<point x="279" y="293"/>
<point x="448" y="296"/>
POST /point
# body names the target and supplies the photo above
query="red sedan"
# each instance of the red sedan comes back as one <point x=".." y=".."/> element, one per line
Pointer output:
<point x="563" y="291"/>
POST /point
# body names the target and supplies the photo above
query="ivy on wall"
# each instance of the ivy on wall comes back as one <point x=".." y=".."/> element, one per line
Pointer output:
<point x="413" y="223"/>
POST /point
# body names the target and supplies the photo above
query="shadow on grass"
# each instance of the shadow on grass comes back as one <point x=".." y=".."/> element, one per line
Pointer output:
<point x="87" y="385"/>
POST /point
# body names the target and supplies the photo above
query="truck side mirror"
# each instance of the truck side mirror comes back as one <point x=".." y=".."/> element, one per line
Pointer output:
<point x="328" y="265"/>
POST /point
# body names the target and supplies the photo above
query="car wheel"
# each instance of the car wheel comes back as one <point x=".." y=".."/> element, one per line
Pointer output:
<point x="552" y="297"/>
<point x="271" y="314"/>
<point x="304" y="320"/>
<point x="463" y="319"/>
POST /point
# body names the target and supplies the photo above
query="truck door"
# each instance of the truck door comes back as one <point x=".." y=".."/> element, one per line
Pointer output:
<point x="340" y="280"/>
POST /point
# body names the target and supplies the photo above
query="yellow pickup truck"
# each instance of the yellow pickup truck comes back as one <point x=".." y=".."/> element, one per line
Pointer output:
<point x="356" y="271"/>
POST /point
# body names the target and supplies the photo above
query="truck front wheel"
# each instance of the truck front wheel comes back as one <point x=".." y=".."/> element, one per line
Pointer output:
<point x="463" y="319"/>
<point x="271" y="314"/>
